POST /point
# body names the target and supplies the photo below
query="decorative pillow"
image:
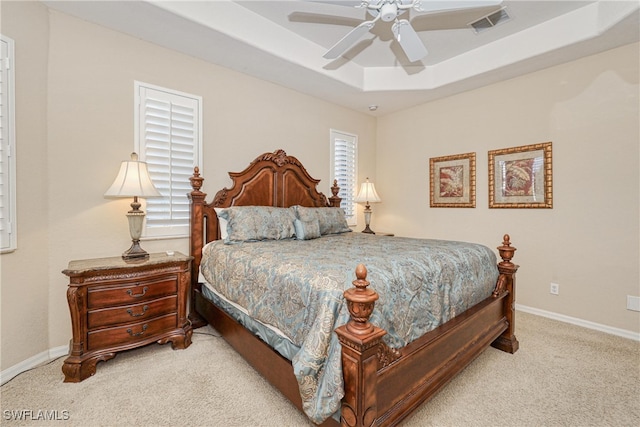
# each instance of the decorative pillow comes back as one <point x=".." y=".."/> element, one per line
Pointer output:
<point x="331" y="220"/>
<point x="307" y="230"/>
<point x="253" y="223"/>
<point x="222" y="223"/>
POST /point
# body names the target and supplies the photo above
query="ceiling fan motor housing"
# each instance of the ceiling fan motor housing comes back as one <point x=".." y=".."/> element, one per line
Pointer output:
<point x="388" y="12"/>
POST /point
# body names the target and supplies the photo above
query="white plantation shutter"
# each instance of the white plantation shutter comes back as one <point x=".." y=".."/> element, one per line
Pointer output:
<point x="344" y="159"/>
<point x="170" y="142"/>
<point x="8" y="238"/>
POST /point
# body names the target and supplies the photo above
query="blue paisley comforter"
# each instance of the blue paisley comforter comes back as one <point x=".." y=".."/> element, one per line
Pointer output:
<point x="297" y="286"/>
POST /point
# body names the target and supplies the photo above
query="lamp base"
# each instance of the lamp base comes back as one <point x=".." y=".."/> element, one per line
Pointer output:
<point x="367" y="219"/>
<point x="135" y="251"/>
<point x="136" y="219"/>
<point x="368" y="230"/>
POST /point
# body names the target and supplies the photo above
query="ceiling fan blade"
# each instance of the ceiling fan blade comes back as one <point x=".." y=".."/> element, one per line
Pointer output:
<point x="348" y="40"/>
<point x="428" y="6"/>
<point x="409" y="40"/>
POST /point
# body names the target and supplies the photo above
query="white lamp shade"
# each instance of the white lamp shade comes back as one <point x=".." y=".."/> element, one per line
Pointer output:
<point x="132" y="181"/>
<point x="367" y="193"/>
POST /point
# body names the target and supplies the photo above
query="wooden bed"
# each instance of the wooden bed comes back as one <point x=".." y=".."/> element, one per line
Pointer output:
<point x="382" y="385"/>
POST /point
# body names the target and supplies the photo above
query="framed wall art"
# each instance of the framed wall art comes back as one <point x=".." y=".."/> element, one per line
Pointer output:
<point x="453" y="181"/>
<point x="521" y="177"/>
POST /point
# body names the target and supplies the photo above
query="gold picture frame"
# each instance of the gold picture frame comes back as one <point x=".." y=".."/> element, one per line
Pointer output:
<point x="521" y="177"/>
<point x="453" y="181"/>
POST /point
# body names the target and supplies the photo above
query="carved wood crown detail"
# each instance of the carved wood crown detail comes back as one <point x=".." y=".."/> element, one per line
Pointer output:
<point x="279" y="157"/>
<point x="387" y="355"/>
<point x="221" y="197"/>
<point x="360" y="346"/>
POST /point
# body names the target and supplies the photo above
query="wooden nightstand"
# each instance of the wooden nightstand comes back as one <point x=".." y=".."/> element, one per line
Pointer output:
<point x="118" y="305"/>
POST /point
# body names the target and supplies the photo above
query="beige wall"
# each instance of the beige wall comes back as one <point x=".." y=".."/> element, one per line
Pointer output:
<point x="588" y="242"/>
<point x="24" y="273"/>
<point x="75" y="125"/>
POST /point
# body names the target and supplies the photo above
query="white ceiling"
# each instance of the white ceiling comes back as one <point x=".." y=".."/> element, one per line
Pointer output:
<point x="283" y="42"/>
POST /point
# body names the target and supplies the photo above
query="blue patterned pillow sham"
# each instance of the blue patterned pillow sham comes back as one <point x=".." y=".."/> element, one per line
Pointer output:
<point x="254" y="223"/>
<point x="307" y="230"/>
<point x="331" y="220"/>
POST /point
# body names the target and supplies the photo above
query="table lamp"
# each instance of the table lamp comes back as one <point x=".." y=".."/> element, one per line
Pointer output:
<point x="367" y="194"/>
<point x="133" y="181"/>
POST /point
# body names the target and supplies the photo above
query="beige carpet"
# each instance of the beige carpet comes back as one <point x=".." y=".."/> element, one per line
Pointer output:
<point x="563" y="375"/>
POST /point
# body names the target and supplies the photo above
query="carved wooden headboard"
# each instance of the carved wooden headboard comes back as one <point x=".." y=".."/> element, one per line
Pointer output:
<point x="272" y="179"/>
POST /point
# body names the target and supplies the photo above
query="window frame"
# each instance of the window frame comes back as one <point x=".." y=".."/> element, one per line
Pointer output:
<point x="336" y="135"/>
<point x="7" y="103"/>
<point x="171" y="231"/>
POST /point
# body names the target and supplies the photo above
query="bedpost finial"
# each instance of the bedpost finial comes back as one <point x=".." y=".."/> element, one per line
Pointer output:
<point x="361" y="281"/>
<point x="335" y="189"/>
<point x="361" y="272"/>
<point x="196" y="179"/>
<point x="506" y="250"/>
<point x="335" y="199"/>
<point x="360" y="302"/>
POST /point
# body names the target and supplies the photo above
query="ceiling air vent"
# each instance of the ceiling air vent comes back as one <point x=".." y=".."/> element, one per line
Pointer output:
<point x="490" y="21"/>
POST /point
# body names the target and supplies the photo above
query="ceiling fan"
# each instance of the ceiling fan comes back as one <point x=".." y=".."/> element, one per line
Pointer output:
<point x="404" y="33"/>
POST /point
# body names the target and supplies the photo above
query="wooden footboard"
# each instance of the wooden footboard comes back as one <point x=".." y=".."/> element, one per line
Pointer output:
<point x="383" y="385"/>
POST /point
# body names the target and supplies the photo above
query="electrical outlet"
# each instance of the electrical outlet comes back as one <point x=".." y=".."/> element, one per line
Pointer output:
<point x="554" y="289"/>
<point x="633" y="303"/>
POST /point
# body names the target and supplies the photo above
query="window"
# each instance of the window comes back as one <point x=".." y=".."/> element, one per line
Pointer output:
<point x="169" y="139"/>
<point x="8" y="237"/>
<point x="344" y="160"/>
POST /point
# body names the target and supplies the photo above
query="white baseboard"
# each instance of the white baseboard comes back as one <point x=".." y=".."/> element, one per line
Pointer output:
<point x="32" y="362"/>
<point x="580" y="322"/>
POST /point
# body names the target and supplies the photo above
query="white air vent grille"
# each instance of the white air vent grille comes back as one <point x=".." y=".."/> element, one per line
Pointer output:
<point x="490" y="21"/>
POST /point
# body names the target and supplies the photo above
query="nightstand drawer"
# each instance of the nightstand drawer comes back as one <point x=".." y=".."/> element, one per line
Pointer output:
<point x="132" y="313"/>
<point x="135" y="292"/>
<point x="130" y="333"/>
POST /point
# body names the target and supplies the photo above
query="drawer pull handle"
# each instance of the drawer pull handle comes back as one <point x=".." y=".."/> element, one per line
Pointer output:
<point x="144" y="310"/>
<point x="144" y="291"/>
<point x="137" y="334"/>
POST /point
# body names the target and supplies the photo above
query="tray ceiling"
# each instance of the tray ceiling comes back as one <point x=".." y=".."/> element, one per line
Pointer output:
<point x="283" y="42"/>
